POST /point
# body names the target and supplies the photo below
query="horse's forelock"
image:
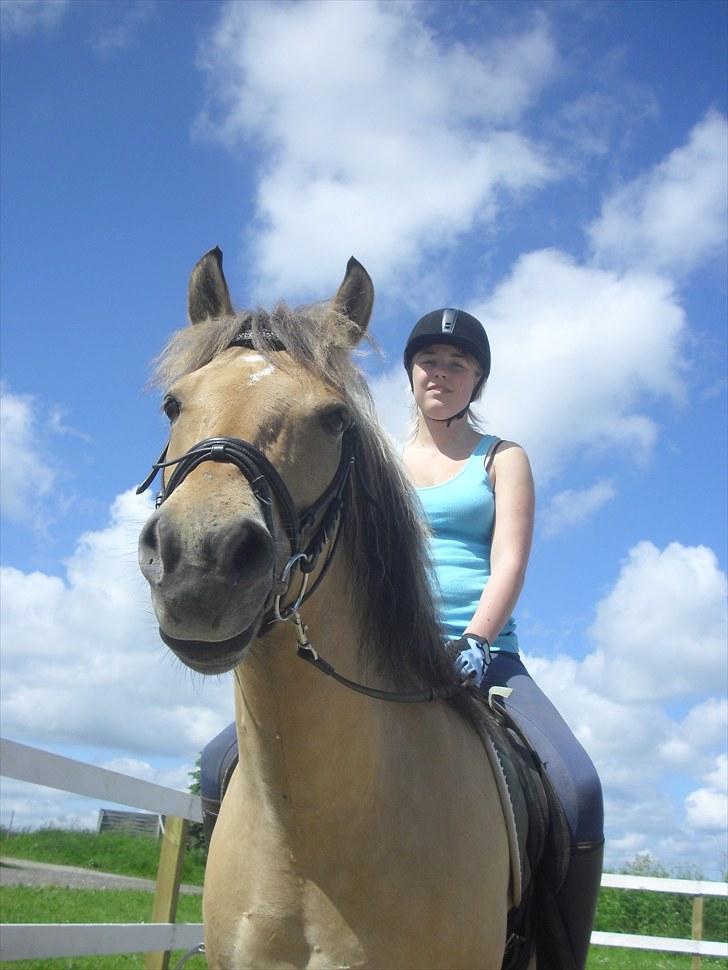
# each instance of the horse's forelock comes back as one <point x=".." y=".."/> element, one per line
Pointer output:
<point x="315" y="337"/>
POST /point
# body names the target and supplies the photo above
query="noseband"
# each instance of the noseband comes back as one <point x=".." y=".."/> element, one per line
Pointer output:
<point x="266" y="483"/>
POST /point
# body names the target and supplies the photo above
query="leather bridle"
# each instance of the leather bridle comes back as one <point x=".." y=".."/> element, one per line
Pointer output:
<point x="266" y="483"/>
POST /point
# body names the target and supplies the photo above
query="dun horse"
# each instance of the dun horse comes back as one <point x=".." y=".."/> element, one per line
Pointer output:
<point x="355" y="832"/>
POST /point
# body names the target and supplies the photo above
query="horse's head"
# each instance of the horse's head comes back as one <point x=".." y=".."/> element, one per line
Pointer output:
<point x="258" y="457"/>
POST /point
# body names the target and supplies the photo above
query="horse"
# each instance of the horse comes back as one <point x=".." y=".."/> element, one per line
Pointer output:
<point x="355" y="831"/>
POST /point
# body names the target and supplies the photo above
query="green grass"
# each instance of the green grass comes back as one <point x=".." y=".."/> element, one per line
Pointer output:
<point x="619" y="911"/>
<point x="614" y="958"/>
<point x="25" y="904"/>
<point x="117" y="852"/>
<point x="56" y="904"/>
<point x="35" y="904"/>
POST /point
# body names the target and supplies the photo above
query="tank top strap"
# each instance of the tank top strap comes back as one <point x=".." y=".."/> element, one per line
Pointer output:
<point x="485" y="449"/>
<point x="490" y="451"/>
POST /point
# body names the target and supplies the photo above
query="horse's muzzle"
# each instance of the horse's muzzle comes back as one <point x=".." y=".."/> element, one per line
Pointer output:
<point x="211" y="658"/>
<point x="210" y="580"/>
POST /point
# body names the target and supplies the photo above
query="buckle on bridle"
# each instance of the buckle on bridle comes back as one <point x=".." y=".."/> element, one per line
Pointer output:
<point x="284" y="584"/>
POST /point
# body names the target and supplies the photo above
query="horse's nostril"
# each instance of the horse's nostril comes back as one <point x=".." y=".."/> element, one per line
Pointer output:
<point x="150" y="560"/>
<point x="159" y="549"/>
<point x="252" y="554"/>
<point x="148" y="538"/>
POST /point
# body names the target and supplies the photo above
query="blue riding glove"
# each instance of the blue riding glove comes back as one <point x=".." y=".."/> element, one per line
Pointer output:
<point x="471" y="656"/>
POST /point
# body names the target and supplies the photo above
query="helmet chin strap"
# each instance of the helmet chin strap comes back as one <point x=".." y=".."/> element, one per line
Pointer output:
<point x="455" y="417"/>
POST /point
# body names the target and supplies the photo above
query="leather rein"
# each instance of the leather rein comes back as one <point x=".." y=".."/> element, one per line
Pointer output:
<point x="266" y="484"/>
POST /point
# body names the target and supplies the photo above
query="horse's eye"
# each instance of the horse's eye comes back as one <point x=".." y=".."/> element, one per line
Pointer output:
<point x="171" y="407"/>
<point x="336" y="420"/>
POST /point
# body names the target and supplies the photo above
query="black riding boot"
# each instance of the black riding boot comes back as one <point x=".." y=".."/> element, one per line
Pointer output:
<point x="577" y="898"/>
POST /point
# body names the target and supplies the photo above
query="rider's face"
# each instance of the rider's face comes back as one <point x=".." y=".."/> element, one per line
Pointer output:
<point x="443" y="379"/>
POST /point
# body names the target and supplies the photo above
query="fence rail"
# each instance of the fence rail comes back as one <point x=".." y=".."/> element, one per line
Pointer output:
<point x="697" y="888"/>
<point x="21" y="941"/>
<point x="24" y="763"/>
<point x="686" y="887"/>
<point x="27" y="941"/>
<point x="38" y="940"/>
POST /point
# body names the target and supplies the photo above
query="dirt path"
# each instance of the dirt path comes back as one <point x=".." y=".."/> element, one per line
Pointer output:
<point x="23" y="872"/>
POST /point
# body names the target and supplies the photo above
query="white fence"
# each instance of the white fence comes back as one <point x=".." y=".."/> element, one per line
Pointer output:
<point x="23" y="941"/>
<point x="26" y="940"/>
<point x="697" y="888"/>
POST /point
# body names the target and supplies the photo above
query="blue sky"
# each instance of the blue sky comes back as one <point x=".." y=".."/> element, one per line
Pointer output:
<point x="558" y="169"/>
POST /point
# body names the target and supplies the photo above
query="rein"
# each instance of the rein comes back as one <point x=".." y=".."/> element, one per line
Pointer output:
<point x="307" y="652"/>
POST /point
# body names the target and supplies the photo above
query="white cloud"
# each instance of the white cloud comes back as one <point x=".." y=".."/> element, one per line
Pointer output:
<point x="705" y="728"/>
<point x="717" y="778"/>
<point x="673" y="217"/>
<point x="393" y="399"/>
<point x="121" y="34"/>
<point x="662" y="631"/>
<point x="707" y="809"/>
<point x="376" y="137"/>
<point x="19" y="17"/>
<point x="177" y="777"/>
<point x="26" y="806"/>
<point x="25" y="474"/>
<point x="34" y="481"/>
<point x="580" y="355"/>
<point x="573" y="507"/>
<point x="625" y="737"/>
<point x="577" y="354"/>
<point x="82" y="661"/>
<point x="660" y="634"/>
<point x="597" y="714"/>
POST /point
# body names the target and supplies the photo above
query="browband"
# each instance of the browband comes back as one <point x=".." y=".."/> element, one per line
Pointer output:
<point x="245" y="339"/>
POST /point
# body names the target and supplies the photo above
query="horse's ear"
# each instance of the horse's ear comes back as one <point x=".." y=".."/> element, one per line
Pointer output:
<point x="355" y="296"/>
<point x="208" y="296"/>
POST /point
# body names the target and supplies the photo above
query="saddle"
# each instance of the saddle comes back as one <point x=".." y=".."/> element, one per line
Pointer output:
<point x="539" y="842"/>
<point x="538" y="835"/>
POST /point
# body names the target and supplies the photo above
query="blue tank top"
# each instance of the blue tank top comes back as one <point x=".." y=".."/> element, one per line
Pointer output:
<point x="461" y="514"/>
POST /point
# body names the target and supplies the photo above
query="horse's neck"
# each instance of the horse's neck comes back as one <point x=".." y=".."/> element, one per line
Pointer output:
<point x="298" y="730"/>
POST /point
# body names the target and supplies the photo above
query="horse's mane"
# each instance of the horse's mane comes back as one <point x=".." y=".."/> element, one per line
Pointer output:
<point x="384" y="535"/>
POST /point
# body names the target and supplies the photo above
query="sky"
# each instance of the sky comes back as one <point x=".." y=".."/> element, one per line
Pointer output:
<point x="558" y="169"/>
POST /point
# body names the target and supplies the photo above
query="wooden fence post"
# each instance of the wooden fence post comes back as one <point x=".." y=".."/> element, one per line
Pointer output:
<point x="697" y="930"/>
<point x="169" y="876"/>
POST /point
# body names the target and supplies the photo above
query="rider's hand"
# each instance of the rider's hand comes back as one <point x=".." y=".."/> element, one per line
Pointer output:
<point x="471" y="655"/>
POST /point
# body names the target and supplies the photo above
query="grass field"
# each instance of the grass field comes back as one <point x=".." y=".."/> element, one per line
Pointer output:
<point x="31" y="904"/>
<point x="23" y="904"/>
<point x="118" y="852"/>
<point x="651" y="914"/>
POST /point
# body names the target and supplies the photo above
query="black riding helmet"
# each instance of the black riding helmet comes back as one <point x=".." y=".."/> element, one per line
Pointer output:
<point x="450" y="326"/>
